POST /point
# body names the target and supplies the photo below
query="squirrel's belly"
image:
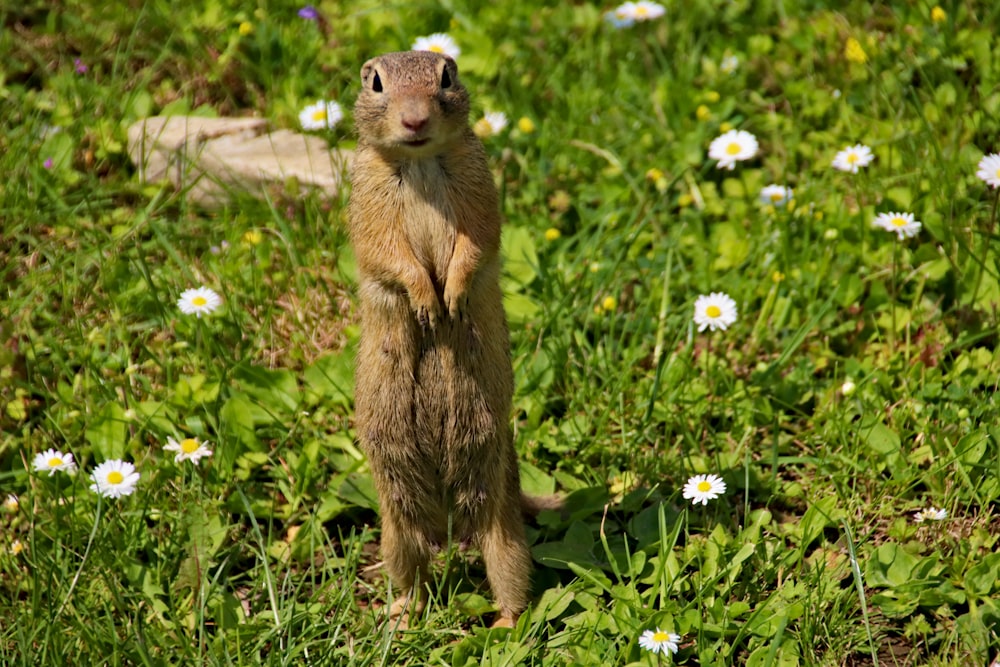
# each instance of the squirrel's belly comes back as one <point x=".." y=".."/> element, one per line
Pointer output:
<point x="428" y="219"/>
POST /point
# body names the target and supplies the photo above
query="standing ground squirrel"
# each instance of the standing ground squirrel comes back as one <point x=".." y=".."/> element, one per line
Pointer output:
<point x="433" y="372"/>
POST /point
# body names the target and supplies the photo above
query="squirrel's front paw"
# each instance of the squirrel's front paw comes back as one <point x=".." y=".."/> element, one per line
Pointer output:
<point x="426" y="307"/>
<point x="456" y="304"/>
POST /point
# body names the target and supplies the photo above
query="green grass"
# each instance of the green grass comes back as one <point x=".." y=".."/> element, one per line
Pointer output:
<point x="262" y="554"/>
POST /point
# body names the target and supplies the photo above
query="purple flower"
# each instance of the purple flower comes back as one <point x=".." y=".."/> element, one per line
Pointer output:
<point x="79" y="66"/>
<point x="309" y="13"/>
<point x="48" y="163"/>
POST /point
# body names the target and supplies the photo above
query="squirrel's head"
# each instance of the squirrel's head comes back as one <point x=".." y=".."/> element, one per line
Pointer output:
<point x="411" y="103"/>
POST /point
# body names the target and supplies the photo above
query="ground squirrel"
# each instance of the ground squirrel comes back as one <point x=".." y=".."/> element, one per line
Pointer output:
<point x="433" y="371"/>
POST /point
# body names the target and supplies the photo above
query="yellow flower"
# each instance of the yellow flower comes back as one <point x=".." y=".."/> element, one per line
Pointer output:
<point x="526" y="125"/>
<point x="853" y="51"/>
<point x="725" y="127"/>
<point x="658" y="179"/>
<point x="16" y="547"/>
<point x="253" y="237"/>
<point x="712" y="96"/>
<point x="938" y="15"/>
<point x="777" y="276"/>
<point x="246" y="28"/>
<point x="552" y="234"/>
<point x="685" y="200"/>
<point x="703" y="112"/>
<point x="609" y="303"/>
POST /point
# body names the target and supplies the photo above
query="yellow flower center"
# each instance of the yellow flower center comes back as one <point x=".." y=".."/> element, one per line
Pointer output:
<point x="482" y="128"/>
<point x="319" y="114"/>
<point x="199" y="301"/>
<point x="899" y="222"/>
<point x="115" y="477"/>
<point x="733" y="148"/>
<point x="777" y="196"/>
<point x="998" y="172"/>
<point x="854" y="52"/>
<point x="435" y="48"/>
<point x="661" y="636"/>
<point x="712" y="311"/>
<point x="852" y="158"/>
<point x="704" y="486"/>
<point x="641" y="11"/>
<point x="189" y="445"/>
<point x="55" y="462"/>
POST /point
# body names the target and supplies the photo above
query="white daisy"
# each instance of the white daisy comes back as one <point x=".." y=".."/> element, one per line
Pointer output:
<point x="852" y="158"/>
<point x="492" y="122"/>
<point x="702" y="488"/>
<point x="321" y="116"/>
<point x="12" y="503"/>
<point x="729" y="64"/>
<point x="16" y="547"/>
<point x="658" y="640"/>
<point x="53" y="460"/>
<point x="930" y="514"/>
<point x="716" y="310"/>
<point x="989" y="169"/>
<point x="732" y="147"/>
<point x="621" y="16"/>
<point x="848" y="388"/>
<point x="775" y="195"/>
<point x="198" y="301"/>
<point x="439" y="42"/>
<point x="114" y="478"/>
<point x="645" y="11"/>
<point x="902" y="223"/>
<point x="188" y="449"/>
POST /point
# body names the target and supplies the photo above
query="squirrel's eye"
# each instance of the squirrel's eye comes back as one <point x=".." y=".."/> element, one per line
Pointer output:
<point x="377" y="84"/>
<point x="445" y="78"/>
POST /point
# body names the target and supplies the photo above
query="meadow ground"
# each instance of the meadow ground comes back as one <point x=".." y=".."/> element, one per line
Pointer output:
<point x="850" y="398"/>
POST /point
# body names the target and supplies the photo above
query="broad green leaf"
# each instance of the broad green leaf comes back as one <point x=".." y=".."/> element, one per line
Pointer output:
<point x="881" y="439"/>
<point x="889" y="566"/>
<point x="106" y="432"/>
<point x="358" y="489"/>
<point x="984" y="577"/>
<point x="520" y="256"/>
<point x="330" y="379"/>
<point x="275" y="389"/>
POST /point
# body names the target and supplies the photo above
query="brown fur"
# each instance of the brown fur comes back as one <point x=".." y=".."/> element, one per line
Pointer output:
<point x="433" y="374"/>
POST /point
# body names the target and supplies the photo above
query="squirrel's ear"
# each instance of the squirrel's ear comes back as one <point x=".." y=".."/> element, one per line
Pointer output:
<point x="370" y="74"/>
<point x="445" y="78"/>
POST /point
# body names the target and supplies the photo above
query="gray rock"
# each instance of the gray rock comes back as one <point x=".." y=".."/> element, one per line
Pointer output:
<point x="211" y="158"/>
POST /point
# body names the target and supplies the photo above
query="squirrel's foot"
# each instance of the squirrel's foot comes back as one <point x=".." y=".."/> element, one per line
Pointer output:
<point x="402" y="607"/>
<point x="504" y="620"/>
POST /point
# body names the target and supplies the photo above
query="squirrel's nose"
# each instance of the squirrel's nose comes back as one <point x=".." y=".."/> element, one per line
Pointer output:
<point x="414" y="123"/>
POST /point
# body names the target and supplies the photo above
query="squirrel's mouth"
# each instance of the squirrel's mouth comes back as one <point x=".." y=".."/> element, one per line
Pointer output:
<point x="416" y="142"/>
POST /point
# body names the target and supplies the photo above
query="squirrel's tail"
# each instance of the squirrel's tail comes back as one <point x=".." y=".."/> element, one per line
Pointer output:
<point x="532" y="505"/>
